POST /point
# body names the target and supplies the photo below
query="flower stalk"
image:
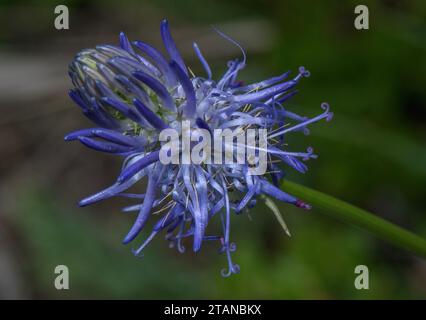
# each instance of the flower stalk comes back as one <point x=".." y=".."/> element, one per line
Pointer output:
<point x="359" y="217"/>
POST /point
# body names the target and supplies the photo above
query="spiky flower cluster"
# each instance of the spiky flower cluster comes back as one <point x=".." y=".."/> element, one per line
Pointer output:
<point x="132" y="92"/>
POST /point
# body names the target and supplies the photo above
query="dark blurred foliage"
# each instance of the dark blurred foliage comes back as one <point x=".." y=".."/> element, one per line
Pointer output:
<point x="372" y="154"/>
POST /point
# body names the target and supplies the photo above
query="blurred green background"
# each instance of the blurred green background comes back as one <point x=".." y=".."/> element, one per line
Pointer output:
<point x="373" y="153"/>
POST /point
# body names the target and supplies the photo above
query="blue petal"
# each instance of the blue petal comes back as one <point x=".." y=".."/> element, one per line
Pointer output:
<point x="79" y="133"/>
<point x="262" y="84"/>
<point x="158" y="88"/>
<point x="170" y="45"/>
<point x="76" y="97"/>
<point x="111" y="191"/>
<point x="104" y="146"/>
<point x="282" y="97"/>
<point x="150" y="116"/>
<point x="265" y="93"/>
<point x="201" y="224"/>
<point x="145" y="210"/>
<point x="138" y="165"/>
<point x="100" y="117"/>
<point x="247" y="197"/>
<point x="277" y="193"/>
<point x="115" y="137"/>
<point x="121" y="107"/>
<point x="202" y="124"/>
<point x="190" y="105"/>
<point x="126" y="66"/>
<point x="202" y="60"/>
<point x="158" y="58"/>
<point x="125" y="43"/>
<point x="169" y="217"/>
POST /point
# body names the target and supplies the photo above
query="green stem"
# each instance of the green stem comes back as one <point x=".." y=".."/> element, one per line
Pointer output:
<point x="359" y="217"/>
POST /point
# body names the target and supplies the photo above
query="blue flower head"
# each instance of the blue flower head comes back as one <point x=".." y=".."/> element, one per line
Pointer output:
<point x="132" y="92"/>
